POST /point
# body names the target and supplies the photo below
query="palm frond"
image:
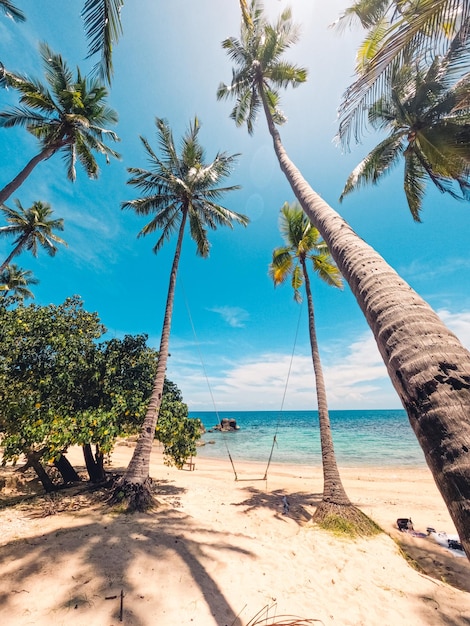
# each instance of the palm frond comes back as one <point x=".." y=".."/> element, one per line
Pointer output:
<point x="102" y="19"/>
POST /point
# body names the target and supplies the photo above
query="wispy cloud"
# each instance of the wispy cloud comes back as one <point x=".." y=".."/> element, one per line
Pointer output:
<point x="232" y="315"/>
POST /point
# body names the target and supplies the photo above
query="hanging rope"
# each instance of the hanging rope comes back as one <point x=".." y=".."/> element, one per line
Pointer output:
<point x="213" y="399"/>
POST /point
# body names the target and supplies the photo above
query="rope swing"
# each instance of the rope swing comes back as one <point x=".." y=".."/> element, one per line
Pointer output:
<point x="224" y="435"/>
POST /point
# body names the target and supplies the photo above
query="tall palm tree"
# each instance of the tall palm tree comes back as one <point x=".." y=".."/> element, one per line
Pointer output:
<point x="428" y="366"/>
<point x="427" y="116"/>
<point x="179" y="190"/>
<point x="395" y="31"/>
<point x="68" y="116"/>
<point x="32" y="227"/>
<point x="303" y="246"/>
<point x="14" y="284"/>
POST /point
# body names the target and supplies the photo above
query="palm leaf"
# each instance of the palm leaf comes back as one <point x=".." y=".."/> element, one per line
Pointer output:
<point x="102" y="19"/>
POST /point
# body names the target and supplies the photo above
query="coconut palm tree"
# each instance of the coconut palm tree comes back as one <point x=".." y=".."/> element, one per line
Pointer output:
<point x="303" y="246"/>
<point x="68" y="117"/>
<point x="179" y="191"/>
<point x="395" y="31"/>
<point x="32" y="227"/>
<point x="14" y="284"/>
<point x="12" y="11"/>
<point x="426" y="116"/>
<point x="428" y="366"/>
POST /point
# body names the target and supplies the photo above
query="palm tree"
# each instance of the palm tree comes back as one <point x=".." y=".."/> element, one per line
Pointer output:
<point x="15" y="281"/>
<point x="12" y="11"/>
<point x="179" y="190"/>
<point x="68" y="118"/>
<point x="303" y="245"/>
<point x="428" y="366"/>
<point x="395" y="31"/>
<point x="426" y="116"/>
<point x="32" y="227"/>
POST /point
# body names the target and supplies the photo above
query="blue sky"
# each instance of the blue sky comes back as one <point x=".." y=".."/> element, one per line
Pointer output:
<point x="233" y="334"/>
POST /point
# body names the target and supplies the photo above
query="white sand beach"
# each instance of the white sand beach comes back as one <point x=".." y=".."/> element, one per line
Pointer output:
<point x="219" y="552"/>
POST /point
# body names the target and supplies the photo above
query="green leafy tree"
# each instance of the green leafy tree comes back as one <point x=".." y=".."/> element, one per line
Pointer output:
<point x="175" y="430"/>
<point x="412" y="340"/>
<point x="426" y="117"/>
<point x="68" y="115"/>
<point x="60" y="387"/>
<point x="14" y="285"/>
<point x="303" y="249"/>
<point x="396" y="32"/>
<point x="180" y="190"/>
<point x="33" y="227"/>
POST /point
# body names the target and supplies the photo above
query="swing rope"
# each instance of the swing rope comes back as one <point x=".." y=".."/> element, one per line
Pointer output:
<point x="265" y="477"/>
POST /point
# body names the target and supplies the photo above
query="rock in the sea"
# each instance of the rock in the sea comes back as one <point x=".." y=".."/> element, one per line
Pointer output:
<point x="227" y="425"/>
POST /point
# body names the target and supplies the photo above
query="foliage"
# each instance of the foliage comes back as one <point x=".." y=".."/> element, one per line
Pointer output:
<point x="14" y="285"/>
<point x="32" y="227"/>
<point x="60" y="387"/>
<point x="175" y="430"/>
<point x="425" y="112"/>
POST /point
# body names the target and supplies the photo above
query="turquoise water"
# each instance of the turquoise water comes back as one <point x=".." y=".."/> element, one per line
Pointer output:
<point x="361" y="438"/>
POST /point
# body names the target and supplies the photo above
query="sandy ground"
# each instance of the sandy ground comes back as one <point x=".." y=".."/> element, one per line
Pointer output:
<point x="220" y="552"/>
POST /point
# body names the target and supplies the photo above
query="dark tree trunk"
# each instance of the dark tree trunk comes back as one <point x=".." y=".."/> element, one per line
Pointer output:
<point x="67" y="471"/>
<point x="32" y="460"/>
<point x="94" y="464"/>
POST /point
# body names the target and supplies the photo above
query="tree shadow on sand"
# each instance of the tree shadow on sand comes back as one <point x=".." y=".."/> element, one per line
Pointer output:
<point x="107" y="551"/>
<point x="300" y="505"/>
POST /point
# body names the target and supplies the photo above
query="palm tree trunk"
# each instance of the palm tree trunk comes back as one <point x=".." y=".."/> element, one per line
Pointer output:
<point x="135" y="485"/>
<point x="19" y="179"/>
<point x="333" y="490"/>
<point x="428" y="366"/>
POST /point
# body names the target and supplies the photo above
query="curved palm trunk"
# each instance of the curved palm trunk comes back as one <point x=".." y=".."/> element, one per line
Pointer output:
<point x="16" y="250"/>
<point x="427" y="364"/>
<point x="333" y="490"/>
<point x="136" y="480"/>
<point x="19" y="179"/>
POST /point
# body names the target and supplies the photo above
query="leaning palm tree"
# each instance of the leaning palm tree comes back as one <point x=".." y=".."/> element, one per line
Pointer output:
<point x="303" y="249"/>
<point x="395" y="31"/>
<point x="428" y="366"/>
<point x="14" y="284"/>
<point x="68" y="116"/>
<point x="32" y="227"/>
<point x="426" y="114"/>
<point x="179" y="190"/>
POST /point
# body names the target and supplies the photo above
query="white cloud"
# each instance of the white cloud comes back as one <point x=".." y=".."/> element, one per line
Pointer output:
<point x="234" y="316"/>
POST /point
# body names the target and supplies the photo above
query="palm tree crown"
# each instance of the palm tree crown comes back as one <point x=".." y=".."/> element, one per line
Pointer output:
<point x="427" y="116"/>
<point x="32" y="227"/>
<point x="182" y="184"/>
<point x="14" y="284"/>
<point x="303" y="243"/>
<point x="260" y="70"/>
<point x="396" y="31"/>
<point x="68" y="115"/>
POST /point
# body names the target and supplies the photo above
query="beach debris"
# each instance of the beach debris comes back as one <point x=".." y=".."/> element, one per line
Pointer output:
<point x="285" y="505"/>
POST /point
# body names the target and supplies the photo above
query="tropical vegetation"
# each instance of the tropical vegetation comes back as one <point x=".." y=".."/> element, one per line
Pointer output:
<point x="15" y="285"/>
<point x="180" y="190"/>
<point x="69" y="115"/>
<point x="425" y="112"/>
<point x="33" y="228"/>
<point x="411" y="338"/>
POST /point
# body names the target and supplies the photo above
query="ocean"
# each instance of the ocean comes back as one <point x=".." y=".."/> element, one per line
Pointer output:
<point x="361" y="438"/>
